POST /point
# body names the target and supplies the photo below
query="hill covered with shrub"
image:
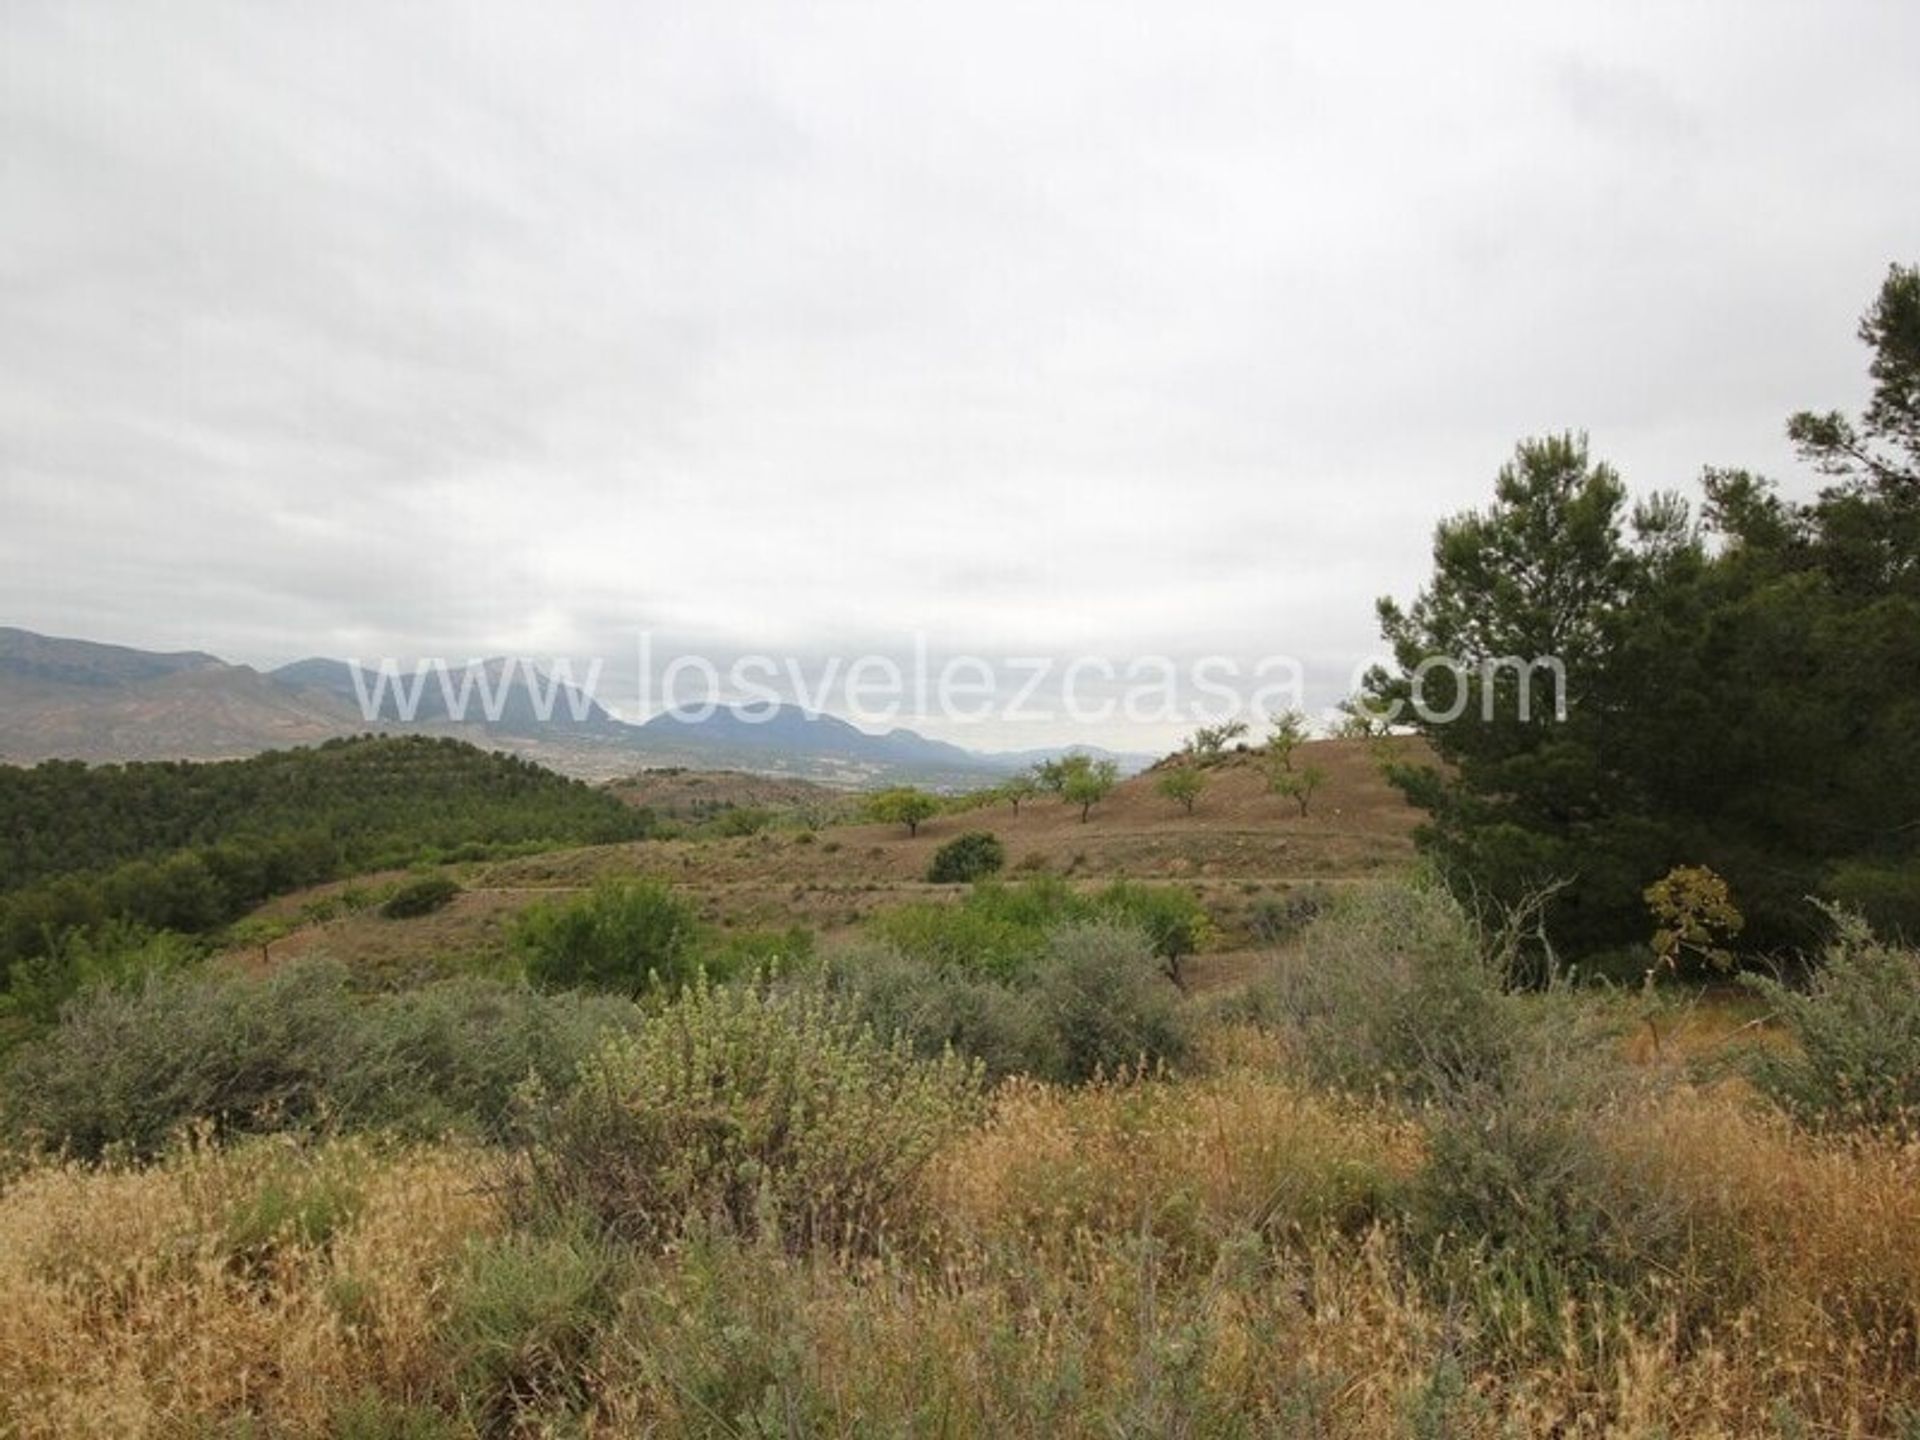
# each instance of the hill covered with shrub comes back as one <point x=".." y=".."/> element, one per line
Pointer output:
<point x="188" y="847"/>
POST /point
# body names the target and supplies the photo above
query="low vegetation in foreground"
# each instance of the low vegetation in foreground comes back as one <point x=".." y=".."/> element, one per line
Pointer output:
<point x="1375" y="1192"/>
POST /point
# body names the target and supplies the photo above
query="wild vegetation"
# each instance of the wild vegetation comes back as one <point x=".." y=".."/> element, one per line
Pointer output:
<point x="1377" y="1193"/>
<point x="1738" y="693"/>
<point x="1211" y="1114"/>
<point x="188" y="848"/>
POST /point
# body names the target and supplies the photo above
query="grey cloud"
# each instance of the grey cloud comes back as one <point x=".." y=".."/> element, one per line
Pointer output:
<point x="480" y="326"/>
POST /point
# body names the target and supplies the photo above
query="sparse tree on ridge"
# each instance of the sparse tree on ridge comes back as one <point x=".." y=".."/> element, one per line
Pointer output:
<point x="1016" y="788"/>
<point x="1182" y="783"/>
<point x="1288" y="732"/>
<point x="904" y="805"/>
<point x="1088" y="783"/>
<point x="1210" y="742"/>
<point x="1300" y="785"/>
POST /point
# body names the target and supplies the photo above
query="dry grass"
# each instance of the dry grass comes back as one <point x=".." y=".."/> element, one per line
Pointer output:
<point x="1192" y="1163"/>
<point x="1216" y="1255"/>
<point x="264" y="1280"/>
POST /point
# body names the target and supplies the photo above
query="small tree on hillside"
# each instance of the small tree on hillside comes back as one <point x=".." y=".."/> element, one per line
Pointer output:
<point x="1210" y="742"/>
<point x="1300" y="784"/>
<point x="1089" y="783"/>
<point x="1052" y="775"/>
<point x="1023" y="786"/>
<point x="1358" y="721"/>
<point x="904" y="805"/>
<point x="1182" y="783"/>
<point x="1289" y="729"/>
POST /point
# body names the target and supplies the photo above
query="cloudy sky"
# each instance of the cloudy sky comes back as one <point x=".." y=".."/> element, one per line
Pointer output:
<point x="1037" y="329"/>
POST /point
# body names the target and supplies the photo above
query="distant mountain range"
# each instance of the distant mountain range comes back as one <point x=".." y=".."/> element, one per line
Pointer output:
<point x="76" y="699"/>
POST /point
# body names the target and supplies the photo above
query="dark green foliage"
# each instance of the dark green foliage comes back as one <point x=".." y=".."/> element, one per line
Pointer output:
<point x="1884" y="447"/>
<point x="1173" y="920"/>
<point x="969" y="857"/>
<point x="421" y="897"/>
<point x="189" y="847"/>
<point x="116" y="954"/>
<point x="622" y="936"/>
<point x="1855" y="1062"/>
<point x="1747" y="705"/>
<point x="1886" y="895"/>
<point x="126" y="1068"/>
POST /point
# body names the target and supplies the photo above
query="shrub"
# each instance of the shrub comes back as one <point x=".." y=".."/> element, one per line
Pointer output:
<point x="624" y="936"/>
<point x="421" y="897"/>
<point x="761" y="1110"/>
<point x="1275" y="920"/>
<point x="935" y="1010"/>
<point x="1175" y="922"/>
<point x="969" y="857"/>
<point x="116" y="954"/>
<point x="1389" y="991"/>
<point x="1856" y="1058"/>
<point x="522" y="1315"/>
<point x="995" y="932"/>
<point x="758" y="953"/>
<point x="1097" y="1002"/>
<point x="1000" y="931"/>
<point x="1695" y="920"/>
<point x="125" y="1069"/>
<point x="1529" y="1208"/>
<point x="1886" y="895"/>
<point x="1105" y="999"/>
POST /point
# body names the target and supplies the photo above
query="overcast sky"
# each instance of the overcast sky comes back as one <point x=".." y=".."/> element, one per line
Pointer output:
<point x="402" y="328"/>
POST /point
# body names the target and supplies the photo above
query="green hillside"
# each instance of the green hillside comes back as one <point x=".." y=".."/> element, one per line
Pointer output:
<point x="187" y="846"/>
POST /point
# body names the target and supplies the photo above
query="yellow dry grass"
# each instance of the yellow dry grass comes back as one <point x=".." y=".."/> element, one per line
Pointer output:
<point x="1204" y="1256"/>
<point x="265" y="1280"/>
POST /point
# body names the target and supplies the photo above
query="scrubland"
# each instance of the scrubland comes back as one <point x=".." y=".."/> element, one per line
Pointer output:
<point x="1374" y="1191"/>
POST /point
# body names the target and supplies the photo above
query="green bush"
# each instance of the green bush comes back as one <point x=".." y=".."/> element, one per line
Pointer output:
<point x="1856" y="1057"/>
<point x="1000" y="931"/>
<point x="965" y="939"/>
<point x="758" y="953"/>
<point x="1389" y="991"/>
<point x="421" y="897"/>
<point x="1105" y="1000"/>
<point x="1887" y="896"/>
<point x="126" y="1069"/>
<point x="760" y="1110"/>
<point x="116" y="954"/>
<point x="1275" y="920"/>
<point x="624" y="936"/>
<point x="936" y="1009"/>
<point x="522" y="1315"/>
<point x="966" y="858"/>
<point x="1174" y="921"/>
<point x="1527" y="1214"/>
<point x="1098" y="1001"/>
